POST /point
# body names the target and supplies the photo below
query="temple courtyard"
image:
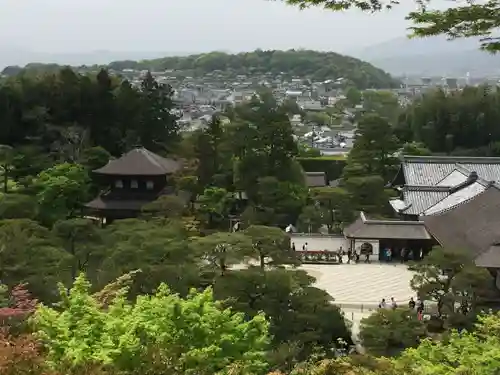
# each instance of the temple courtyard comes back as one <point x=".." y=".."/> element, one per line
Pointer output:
<point x="358" y="288"/>
<point x="354" y="286"/>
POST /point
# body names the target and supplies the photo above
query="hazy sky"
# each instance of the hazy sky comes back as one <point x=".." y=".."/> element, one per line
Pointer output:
<point x="187" y="26"/>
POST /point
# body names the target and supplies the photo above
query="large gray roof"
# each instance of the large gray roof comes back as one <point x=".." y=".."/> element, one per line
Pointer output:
<point x="473" y="226"/>
<point x="140" y="162"/>
<point x="364" y="228"/>
<point x="430" y="170"/>
<point x="436" y="184"/>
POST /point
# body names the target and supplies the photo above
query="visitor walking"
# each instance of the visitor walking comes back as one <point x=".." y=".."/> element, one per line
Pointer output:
<point x="420" y="309"/>
<point x="382" y="304"/>
<point x="411" y="304"/>
<point x="293" y="246"/>
<point x="394" y="305"/>
<point x="304" y="247"/>
<point x="388" y="253"/>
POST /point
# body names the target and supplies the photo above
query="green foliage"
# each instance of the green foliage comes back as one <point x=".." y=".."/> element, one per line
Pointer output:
<point x="332" y="166"/>
<point x="298" y="312"/>
<point x="476" y="352"/>
<point x="436" y="120"/>
<point x="416" y="149"/>
<point x="68" y="113"/>
<point x="382" y="103"/>
<point x="158" y="249"/>
<point x="18" y="206"/>
<point x="80" y="238"/>
<point x="337" y="204"/>
<point x="271" y="246"/>
<point x="374" y="148"/>
<point x="451" y="279"/>
<point x="29" y="254"/>
<point x="166" y="206"/>
<point x="318" y="66"/>
<point x="61" y="190"/>
<point x="161" y="331"/>
<point x="387" y="332"/>
<point x="353" y="96"/>
<point x="95" y="157"/>
<point x="214" y="204"/>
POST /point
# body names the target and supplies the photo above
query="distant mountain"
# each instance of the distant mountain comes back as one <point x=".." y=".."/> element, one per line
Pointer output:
<point x="318" y="66"/>
<point x="10" y="56"/>
<point x="434" y="56"/>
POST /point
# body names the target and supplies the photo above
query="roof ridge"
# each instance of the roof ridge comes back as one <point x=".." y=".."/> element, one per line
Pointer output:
<point x="434" y="188"/>
<point x="451" y="159"/>
<point x="492" y="185"/>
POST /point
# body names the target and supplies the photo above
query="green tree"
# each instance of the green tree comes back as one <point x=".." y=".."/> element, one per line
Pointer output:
<point x="95" y="158"/>
<point x="222" y="250"/>
<point x="338" y="204"/>
<point x="451" y="279"/>
<point x="353" y="96"/>
<point x="158" y="128"/>
<point x="375" y="147"/>
<point x="311" y="219"/>
<point x="383" y="103"/>
<point x="162" y="332"/>
<point x="165" y="207"/>
<point x="271" y="246"/>
<point x="387" y="332"/>
<point x="62" y="189"/>
<point x="319" y="118"/>
<point x="214" y="204"/>
<point x="158" y="249"/>
<point x="6" y="156"/>
<point x="415" y="148"/>
<point x="29" y="254"/>
<point x="18" y="206"/>
<point x="298" y="312"/>
<point x="80" y="238"/>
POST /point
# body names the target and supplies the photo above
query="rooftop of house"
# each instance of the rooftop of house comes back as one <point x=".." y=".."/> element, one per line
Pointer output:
<point x="434" y="199"/>
<point x="431" y="170"/>
<point x="430" y="185"/>
<point x="473" y="225"/>
<point x="140" y="162"/>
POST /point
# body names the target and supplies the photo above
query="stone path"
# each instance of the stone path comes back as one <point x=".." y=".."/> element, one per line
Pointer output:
<point x="358" y="288"/>
<point x="352" y="285"/>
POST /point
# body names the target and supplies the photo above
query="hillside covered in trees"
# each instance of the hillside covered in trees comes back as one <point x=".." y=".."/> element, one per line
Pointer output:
<point x="302" y="63"/>
<point x="317" y="66"/>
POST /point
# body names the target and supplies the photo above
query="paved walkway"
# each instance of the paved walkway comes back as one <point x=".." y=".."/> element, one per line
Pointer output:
<point x="353" y="285"/>
<point x="358" y="288"/>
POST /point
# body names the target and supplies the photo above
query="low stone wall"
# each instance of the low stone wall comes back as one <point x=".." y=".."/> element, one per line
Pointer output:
<point x="319" y="242"/>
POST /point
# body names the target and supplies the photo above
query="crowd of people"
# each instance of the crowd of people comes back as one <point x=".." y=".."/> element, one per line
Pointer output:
<point x="412" y="305"/>
<point x="352" y="255"/>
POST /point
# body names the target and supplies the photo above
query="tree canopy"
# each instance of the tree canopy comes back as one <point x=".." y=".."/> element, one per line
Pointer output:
<point x="317" y="66"/>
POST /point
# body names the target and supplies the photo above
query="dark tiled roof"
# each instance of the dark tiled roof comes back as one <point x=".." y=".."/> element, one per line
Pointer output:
<point x="114" y="204"/>
<point x="473" y="225"/>
<point x="140" y="162"/>
<point x="420" y="198"/>
<point x="386" y="229"/>
<point x="315" y="179"/>
<point x="490" y="258"/>
<point x="430" y="170"/>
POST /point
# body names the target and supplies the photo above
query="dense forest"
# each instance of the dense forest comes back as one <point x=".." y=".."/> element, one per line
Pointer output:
<point x="165" y="292"/>
<point x="317" y="66"/>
